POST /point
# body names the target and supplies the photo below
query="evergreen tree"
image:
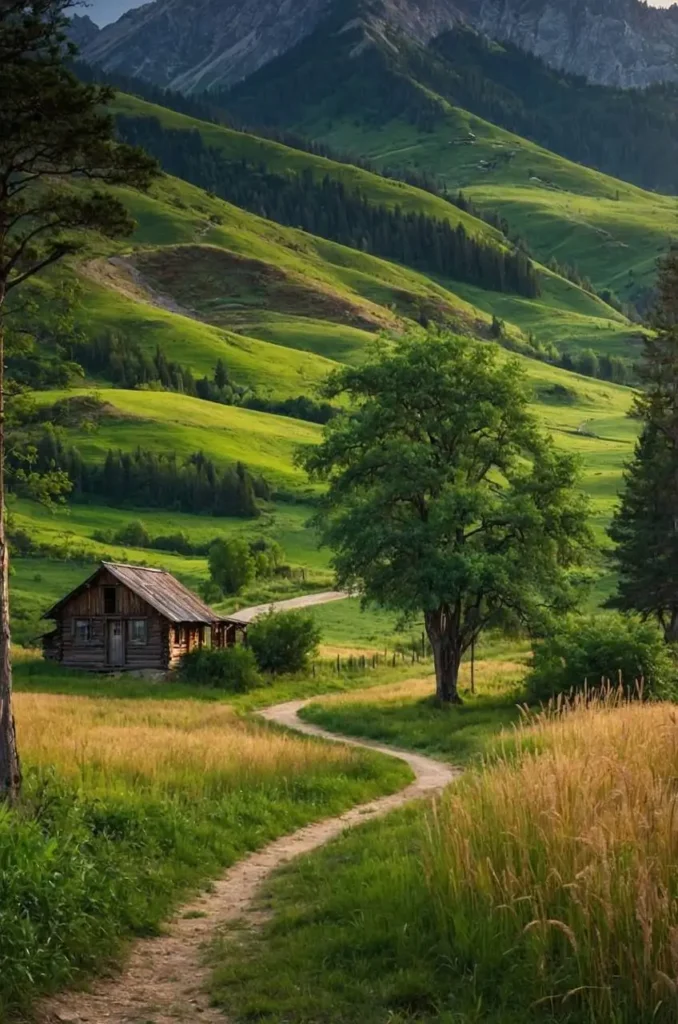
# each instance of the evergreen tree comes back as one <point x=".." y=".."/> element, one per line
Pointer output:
<point x="220" y="374"/>
<point x="645" y="527"/>
<point x="56" y="145"/>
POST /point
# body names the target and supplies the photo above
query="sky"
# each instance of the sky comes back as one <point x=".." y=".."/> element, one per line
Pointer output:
<point x="104" y="11"/>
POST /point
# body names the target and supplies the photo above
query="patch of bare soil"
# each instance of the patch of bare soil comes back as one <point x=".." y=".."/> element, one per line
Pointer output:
<point x="165" y="979"/>
<point x="224" y="287"/>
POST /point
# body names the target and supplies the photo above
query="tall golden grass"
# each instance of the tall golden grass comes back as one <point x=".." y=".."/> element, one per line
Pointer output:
<point x="176" y="746"/>
<point x="558" y="869"/>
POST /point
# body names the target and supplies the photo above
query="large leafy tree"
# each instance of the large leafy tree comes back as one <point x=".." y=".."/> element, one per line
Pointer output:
<point x="444" y="498"/>
<point x="645" y="527"/>
<point x="57" y="152"/>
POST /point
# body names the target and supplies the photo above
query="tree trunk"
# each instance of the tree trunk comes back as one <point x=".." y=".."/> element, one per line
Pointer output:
<point x="443" y="634"/>
<point x="10" y="769"/>
<point x="670" y="626"/>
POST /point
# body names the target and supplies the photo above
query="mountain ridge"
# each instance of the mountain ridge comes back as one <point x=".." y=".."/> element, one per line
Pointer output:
<point x="195" y="47"/>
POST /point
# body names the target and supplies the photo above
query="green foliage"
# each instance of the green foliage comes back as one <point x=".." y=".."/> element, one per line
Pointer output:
<point x="414" y="512"/>
<point x="268" y="557"/>
<point x="231" y="564"/>
<point x="135" y="534"/>
<point x="40" y="330"/>
<point x="284" y="641"/>
<point x="142" y="478"/>
<point x="645" y="527"/>
<point x="598" y="651"/>
<point x="232" y="669"/>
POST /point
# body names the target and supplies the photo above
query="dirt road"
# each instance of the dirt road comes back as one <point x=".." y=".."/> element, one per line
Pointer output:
<point x="165" y="979"/>
<point x="308" y="601"/>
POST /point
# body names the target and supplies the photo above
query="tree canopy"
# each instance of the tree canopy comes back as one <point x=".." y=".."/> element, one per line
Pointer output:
<point x="444" y="498"/>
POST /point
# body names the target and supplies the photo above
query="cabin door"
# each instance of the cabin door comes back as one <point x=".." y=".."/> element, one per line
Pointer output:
<point x="116" y="644"/>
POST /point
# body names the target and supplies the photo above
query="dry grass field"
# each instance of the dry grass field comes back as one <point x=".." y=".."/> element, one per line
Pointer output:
<point x="195" y="748"/>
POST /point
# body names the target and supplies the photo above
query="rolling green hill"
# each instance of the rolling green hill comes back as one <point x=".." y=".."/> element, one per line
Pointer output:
<point x="209" y="280"/>
<point x="177" y="214"/>
<point x="162" y="421"/>
<point x="612" y="231"/>
<point x="585" y="417"/>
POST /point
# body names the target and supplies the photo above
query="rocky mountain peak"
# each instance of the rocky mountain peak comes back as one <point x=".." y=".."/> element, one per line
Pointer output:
<point x="610" y="42"/>
<point x="193" y="45"/>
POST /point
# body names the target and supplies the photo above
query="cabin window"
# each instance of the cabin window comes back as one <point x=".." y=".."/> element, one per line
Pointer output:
<point x="138" y="632"/>
<point x="110" y="600"/>
<point x="82" y="629"/>
<point x="178" y="635"/>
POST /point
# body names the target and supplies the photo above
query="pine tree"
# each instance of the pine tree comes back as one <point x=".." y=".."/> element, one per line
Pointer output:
<point x="645" y="527"/>
<point x="221" y="374"/>
<point x="56" y="148"/>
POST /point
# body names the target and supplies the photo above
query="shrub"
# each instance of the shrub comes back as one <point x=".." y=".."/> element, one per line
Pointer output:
<point x="133" y="534"/>
<point x="601" y="647"/>
<point x="177" y="543"/>
<point x="231" y="564"/>
<point x="233" y="669"/>
<point x="284" y="642"/>
<point x="211" y="593"/>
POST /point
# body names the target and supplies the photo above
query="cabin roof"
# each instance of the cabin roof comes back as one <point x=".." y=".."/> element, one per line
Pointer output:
<point x="158" y="588"/>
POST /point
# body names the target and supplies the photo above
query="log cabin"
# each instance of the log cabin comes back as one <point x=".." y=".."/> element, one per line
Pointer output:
<point x="127" y="618"/>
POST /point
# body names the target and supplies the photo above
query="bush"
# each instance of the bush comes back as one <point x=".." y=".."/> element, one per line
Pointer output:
<point x="233" y="669"/>
<point x="133" y="535"/>
<point x="231" y="564"/>
<point x="602" y="647"/>
<point x="268" y="557"/>
<point x="284" y="641"/>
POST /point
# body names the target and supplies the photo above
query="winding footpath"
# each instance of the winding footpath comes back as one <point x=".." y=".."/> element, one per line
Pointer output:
<point x="165" y="979"/>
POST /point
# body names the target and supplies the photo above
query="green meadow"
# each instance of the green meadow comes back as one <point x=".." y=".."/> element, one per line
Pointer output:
<point x="611" y="230"/>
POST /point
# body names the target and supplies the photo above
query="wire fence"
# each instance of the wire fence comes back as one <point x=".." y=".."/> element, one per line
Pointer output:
<point x="404" y="654"/>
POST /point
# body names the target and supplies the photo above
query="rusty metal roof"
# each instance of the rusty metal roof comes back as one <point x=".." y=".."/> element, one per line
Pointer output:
<point x="158" y="588"/>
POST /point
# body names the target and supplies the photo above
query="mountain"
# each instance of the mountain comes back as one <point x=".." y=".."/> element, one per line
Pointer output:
<point x="344" y="81"/>
<point x="205" y="43"/>
<point x="194" y="45"/>
<point x="610" y="42"/>
<point x="82" y="30"/>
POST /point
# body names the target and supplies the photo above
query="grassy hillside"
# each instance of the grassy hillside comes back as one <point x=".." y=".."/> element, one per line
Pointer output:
<point x="238" y="145"/>
<point x="242" y="145"/>
<point x="584" y="416"/>
<point x="243" y="273"/>
<point x="163" y="421"/>
<point x="399" y="107"/>
<point x="613" y="231"/>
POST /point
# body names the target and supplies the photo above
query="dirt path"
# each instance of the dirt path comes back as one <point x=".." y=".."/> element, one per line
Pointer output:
<point x="165" y="979"/>
<point x="247" y="615"/>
